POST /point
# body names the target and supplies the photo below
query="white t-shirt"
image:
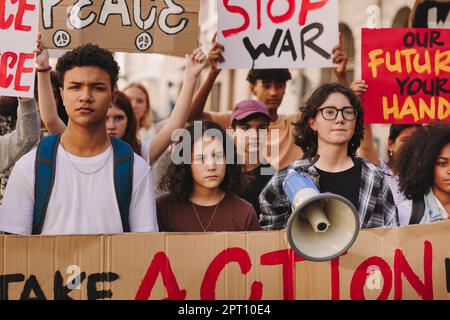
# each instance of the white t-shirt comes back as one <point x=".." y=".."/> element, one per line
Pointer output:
<point x="79" y="203"/>
<point x="146" y="136"/>
<point x="145" y="150"/>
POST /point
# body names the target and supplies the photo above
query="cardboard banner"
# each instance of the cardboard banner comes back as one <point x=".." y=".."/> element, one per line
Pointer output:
<point x="18" y="33"/>
<point x="408" y="75"/>
<point x="402" y="263"/>
<point x="161" y="26"/>
<point x="277" y="34"/>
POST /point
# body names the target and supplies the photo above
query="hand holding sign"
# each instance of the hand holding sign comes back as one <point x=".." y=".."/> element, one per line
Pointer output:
<point x="215" y="55"/>
<point x="195" y="62"/>
<point x="340" y="58"/>
<point x="359" y="87"/>
<point x="42" y="57"/>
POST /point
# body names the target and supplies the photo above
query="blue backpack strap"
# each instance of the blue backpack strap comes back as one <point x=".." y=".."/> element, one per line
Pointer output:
<point x="44" y="175"/>
<point x="123" y="178"/>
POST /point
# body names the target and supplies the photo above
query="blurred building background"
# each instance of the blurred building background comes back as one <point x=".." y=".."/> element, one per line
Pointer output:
<point x="162" y="75"/>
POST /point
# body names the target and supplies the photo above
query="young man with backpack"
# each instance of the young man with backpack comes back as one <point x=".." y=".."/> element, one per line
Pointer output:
<point x="83" y="181"/>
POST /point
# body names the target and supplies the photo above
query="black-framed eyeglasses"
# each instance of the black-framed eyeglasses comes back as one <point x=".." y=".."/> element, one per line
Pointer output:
<point x="331" y="113"/>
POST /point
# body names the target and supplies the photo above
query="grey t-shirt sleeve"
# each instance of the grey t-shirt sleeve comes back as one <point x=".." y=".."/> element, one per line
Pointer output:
<point x="15" y="144"/>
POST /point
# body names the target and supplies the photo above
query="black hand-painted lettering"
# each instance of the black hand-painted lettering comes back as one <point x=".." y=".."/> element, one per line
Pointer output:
<point x="262" y="48"/>
<point x="402" y="84"/>
<point x="93" y="279"/>
<point x="60" y="291"/>
<point x="288" y="45"/>
<point x="5" y="280"/>
<point x="32" y="285"/>
<point x="310" y="42"/>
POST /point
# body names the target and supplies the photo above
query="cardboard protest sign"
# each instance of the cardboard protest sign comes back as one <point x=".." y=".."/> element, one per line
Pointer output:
<point x="277" y="34"/>
<point x="399" y="263"/>
<point x="407" y="74"/>
<point x="18" y="33"/>
<point x="162" y="26"/>
<point x="430" y="14"/>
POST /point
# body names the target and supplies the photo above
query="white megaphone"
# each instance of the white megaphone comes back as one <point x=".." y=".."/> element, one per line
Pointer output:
<point x="323" y="225"/>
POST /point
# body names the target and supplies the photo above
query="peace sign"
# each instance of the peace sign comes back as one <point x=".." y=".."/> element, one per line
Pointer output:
<point x="61" y="39"/>
<point x="143" y="41"/>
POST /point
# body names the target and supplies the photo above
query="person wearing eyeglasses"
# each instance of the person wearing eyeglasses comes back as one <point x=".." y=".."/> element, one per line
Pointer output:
<point x="329" y="132"/>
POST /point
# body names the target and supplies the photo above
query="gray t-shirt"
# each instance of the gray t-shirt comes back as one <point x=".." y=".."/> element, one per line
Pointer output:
<point x="15" y="143"/>
<point x="18" y="142"/>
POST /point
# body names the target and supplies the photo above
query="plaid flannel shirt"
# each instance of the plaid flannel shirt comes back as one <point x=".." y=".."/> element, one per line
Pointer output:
<point x="376" y="203"/>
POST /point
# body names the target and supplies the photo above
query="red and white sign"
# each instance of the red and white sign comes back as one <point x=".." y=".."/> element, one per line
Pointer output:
<point x="18" y="33"/>
<point x="277" y="34"/>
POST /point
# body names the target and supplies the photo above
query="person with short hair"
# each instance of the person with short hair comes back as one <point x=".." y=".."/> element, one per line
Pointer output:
<point x="82" y="196"/>
<point x="329" y="133"/>
<point x="250" y="122"/>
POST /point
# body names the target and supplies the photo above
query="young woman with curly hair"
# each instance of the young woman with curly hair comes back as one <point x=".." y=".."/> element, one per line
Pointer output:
<point x="329" y="132"/>
<point x="201" y="185"/>
<point x="424" y="171"/>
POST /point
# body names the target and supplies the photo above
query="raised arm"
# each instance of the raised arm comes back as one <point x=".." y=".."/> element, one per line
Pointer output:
<point x="194" y="65"/>
<point x="198" y="104"/>
<point x="367" y="149"/>
<point x="340" y="57"/>
<point x="22" y="139"/>
<point x="47" y="103"/>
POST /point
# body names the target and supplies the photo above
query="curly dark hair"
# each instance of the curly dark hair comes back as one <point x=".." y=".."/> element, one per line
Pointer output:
<point x="417" y="158"/>
<point x="123" y="103"/>
<point x="62" y="114"/>
<point x="269" y="75"/>
<point x="178" y="178"/>
<point x="8" y="106"/>
<point x="394" y="131"/>
<point x="306" y="138"/>
<point x="87" y="56"/>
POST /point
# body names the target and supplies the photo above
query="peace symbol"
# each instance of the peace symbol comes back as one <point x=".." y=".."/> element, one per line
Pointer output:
<point x="143" y="41"/>
<point x="61" y="38"/>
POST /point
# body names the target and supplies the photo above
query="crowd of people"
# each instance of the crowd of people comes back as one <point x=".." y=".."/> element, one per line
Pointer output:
<point x="91" y="172"/>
